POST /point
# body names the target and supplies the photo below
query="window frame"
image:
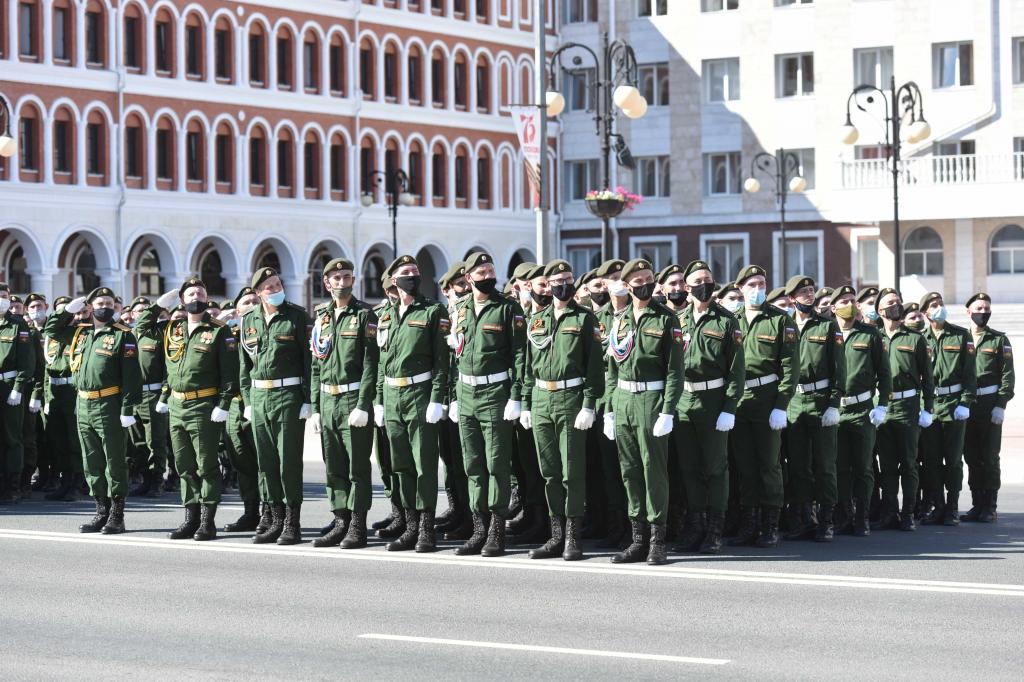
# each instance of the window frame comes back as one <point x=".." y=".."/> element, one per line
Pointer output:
<point x="883" y="72"/>
<point x="733" y="164"/>
<point x="708" y="81"/>
<point x="1014" y="252"/>
<point x="927" y="255"/>
<point x="800" y="91"/>
<point x="938" y="64"/>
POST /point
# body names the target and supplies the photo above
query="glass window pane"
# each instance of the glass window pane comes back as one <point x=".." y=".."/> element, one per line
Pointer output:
<point x="933" y="263"/>
<point x="947" y="66"/>
<point x="789" y="76"/>
<point x="868" y="249"/>
<point x="913" y="263"/>
<point x="807" y="74"/>
<point x="966" y="64"/>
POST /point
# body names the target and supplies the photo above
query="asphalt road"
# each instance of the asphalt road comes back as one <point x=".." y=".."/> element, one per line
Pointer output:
<point x="937" y="604"/>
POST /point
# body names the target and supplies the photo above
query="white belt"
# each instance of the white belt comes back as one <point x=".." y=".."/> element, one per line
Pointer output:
<point x="408" y="381"/>
<point x="641" y="386"/>
<point x="987" y="390"/>
<point x="7" y="376"/>
<point x="471" y="380"/>
<point x="812" y="387"/>
<point x="762" y="381"/>
<point x="152" y="387"/>
<point x="338" y="389"/>
<point x="558" y="385"/>
<point x="60" y="381"/>
<point x="854" y="399"/>
<point x="900" y="395"/>
<point x="694" y="386"/>
<point x="276" y="383"/>
<point x="946" y="390"/>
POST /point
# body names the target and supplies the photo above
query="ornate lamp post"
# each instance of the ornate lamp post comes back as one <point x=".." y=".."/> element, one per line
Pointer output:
<point x="783" y="169"/>
<point x="396" y="192"/>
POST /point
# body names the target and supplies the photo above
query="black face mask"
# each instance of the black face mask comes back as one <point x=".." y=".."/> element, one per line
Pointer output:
<point x="103" y="315"/>
<point x="540" y="299"/>
<point x="485" y="286"/>
<point x="679" y="297"/>
<point x="600" y="297"/>
<point x="660" y="298"/>
<point x="410" y="284"/>
<point x="195" y="307"/>
<point x="643" y="292"/>
<point x="893" y="312"/>
<point x="563" y="292"/>
<point x="980" y="319"/>
<point x="804" y="307"/>
<point x="703" y="291"/>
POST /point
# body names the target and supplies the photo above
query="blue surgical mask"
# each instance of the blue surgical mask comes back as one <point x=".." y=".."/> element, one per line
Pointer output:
<point x="275" y="299"/>
<point x="233" y="322"/>
<point x="756" y="299"/>
<point x="872" y="315"/>
<point x="940" y="314"/>
<point x="733" y="306"/>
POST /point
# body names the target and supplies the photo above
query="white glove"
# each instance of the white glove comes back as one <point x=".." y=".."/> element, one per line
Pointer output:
<point x="358" y="418"/>
<point x="830" y="417"/>
<point x="725" y="422"/>
<point x="585" y="419"/>
<point x="75" y="306"/>
<point x="168" y="300"/>
<point x="127" y="421"/>
<point x="777" y="420"/>
<point x="46" y="409"/>
<point x="453" y="411"/>
<point x="225" y="314"/>
<point x="663" y="425"/>
<point x="305" y="410"/>
<point x="513" y="409"/>
<point x="35" y="405"/>
<point x="925" y="420"/>
<point x="314" y="419"/>
<point x="218" y="416"/>
<point x="162" y="408"/>
<point x="378" y="415"/>
<point x="877" y="415"/>
<point x="961" y="413"/>
<point x="434" y="412"/>
<point x="14" y="398"/>
<point x="247" y="413"/>
<point x="998" y="414"/>
<point x="609" y="425"/>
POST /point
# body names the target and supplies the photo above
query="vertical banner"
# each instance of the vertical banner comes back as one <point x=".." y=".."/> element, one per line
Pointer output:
<point x="527" y="121"/>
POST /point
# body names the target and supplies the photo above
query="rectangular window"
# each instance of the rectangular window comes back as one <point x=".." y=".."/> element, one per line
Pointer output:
<point x="284" y="63"/>
<point x="133" y="149"/>
<point x="722" y="174"/>
<point x="256" y="59"/>
<point x="415" y="65"/>
<point x="658" y="254"/>
<point x="131" y="42"/>
<point x="576" y="85"/>
<point x="28" y="136"/>
<point x="579" y="11"/>
<point x="649" y="8"/>
<point x="805" y="167"/>
<point x="461" y="99"/>
<point x="163" y="35"/>
<point x="654" y="84"/>
<point x="335" y="55"/>
<point x="309" y="66"/>
<point x="580" y="178"/>
<point x="415" y="166"/>
<point x="61" y="147"/>
<point x="94" y="38"/>
<point x="460" y="178"/>
<point x="956" y="148"/>
<point x="390" y="75"/>
<point x="725" y="257"/>
<point x="194" y="156"/>
<point x="193" y="48"/>
<point x="651" y="176"/>
<point x="1018" y="60"/>
<point x="583" y="258"/>
<point x="790" y="3"/>
<point x="337" y="167"/>
<point x="366" y="72"/>
<point x="27" y="31"/>
<point x="256" y="161"/>
<point x="718" y="5"/>
<point x="437" y="81"/>
<point x="953" y="64"/>
<point x="163" y="154"/>
<point x="872" y="66"/>
<point x="459" y="6"/>
<point x="801" y="257"/>
<point x="483" y="179"/>
<point x="483" y="89"/>
<point x="60" y="34"/>
<point x="309" y="166"/>
<point x="223" y="159"/>
<point x="794" y="75"/>
<point x="284" y="164"/>
<point x="94" y="149"/>
<point x="867" y="260"/>
<point x="437" y="173"/>
<point x="721" y="80"/>
<point x="366" y="169"/>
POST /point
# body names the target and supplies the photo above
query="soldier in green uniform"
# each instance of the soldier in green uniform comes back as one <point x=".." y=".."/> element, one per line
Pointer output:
<point x="867" y="372"/>
<point x="912" y="384"/>
<point x="105" y="364"/>
<point x="150" y="433"/>
<point x="942" y="445"/>
<point x="413" y="380"/>
<point x="823" y="302"/>
<point x="36" y="312"/>
<point x="17" y="366"/>
<point x="393" y="525"/>
<point x="645" y="380"/>
<point x="995" y="379"/>
<point x="344" y="379"/>
<point x="713" y="371"/>
<point x="563" y="379"/>
<point x="32" y="401"/>
<point x="490" y="352"/>
<point x="866" y="299"/>
<point x="275" y="375"/>
<point x="673" y="287"/>
<point x="61" y="432"/>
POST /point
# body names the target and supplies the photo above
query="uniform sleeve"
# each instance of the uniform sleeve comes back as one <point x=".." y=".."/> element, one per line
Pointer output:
<point x="314" y="375"/>
<point x="736" y="370"/>
<point x="244" y="366"/>
<point x="227" y="358"/>
<point x="371" y="358"/>
<point x="883" y="369"/>
<point x="131" y="374"/>
<point x="39" y="364"/>
<point x="968" y="371"/>
<point x="927" y="378"/>
<point x="593" y="356"/>
<point x="672" y="354"/>
<point x="517" y="337"/>
<point x="302" y="336"/>
<point x="148" y="322"/>
<point x="611" y="378"/>
<point x="789" y="353"/>
<point x="24" y="359"/>
<point x="1006" y="378"/>
<point x="378" y="398"/>
<point x="440" y="327"/>
<point x="527" y="375"/>
<point x="59" y="326"/>
<point x="837" y="353"/>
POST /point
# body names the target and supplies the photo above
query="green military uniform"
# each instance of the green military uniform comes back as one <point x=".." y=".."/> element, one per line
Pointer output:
<point x="677" y="504"/>
<point x="61" y="423"/>
<point x="151" y="433"/>
<point x="382" y="446"/>
<point x="31" y="417"/>
<point x="17" y="366"/>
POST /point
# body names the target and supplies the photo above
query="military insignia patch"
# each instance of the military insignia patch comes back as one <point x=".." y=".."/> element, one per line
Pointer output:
<point x="519" y="321"/>
<point x="371" y="330"/>
<point x="129" y="350"/>
<point x="839" y="338"/>
<point x="250" y="331"/>
<point x="677" y="334"/>
<point x="495" y="327"/>
<point x="444" y="324"/>
<point x="23" y="337"/>
<point x="206" y="337"/>
<point x="970" y="347"/>
<point x="790" y="335"/>
<point x="538" y="323"/>
<point x="738" y="335"/>
<point x="1007" y="352"/>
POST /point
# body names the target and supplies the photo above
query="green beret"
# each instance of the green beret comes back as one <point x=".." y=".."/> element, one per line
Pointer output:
<point x="338" y="264"/>
<point x="557" y="266"/>
<point x="609" y="267"/>
<point x="748" y="272"/>
<point x="980" y="296"/>
<point x="535" y="271"/>
<point x="192" y="281"/>
<point x="262" y="275"/>
<point x="867" y="293"/>
<point x="227" y="305"/>
<point x="245" y="291"/>
<point x="32" y="298"/>
<point x="694" y="266"/>
<point x="824" y="292"/>
<point x="667" y="271"/>
<point x="777" y="292"/>
<point x="928" y="298"/>
<point x="507" y="290"/>
<point x="61" y="300"/>
<point x="97" y="292"/>
<point x="385" y="281"/>
<point x="724" y="291"/>
<point x="634" y="266"/>
<point x="843" y="291"/>
<point x="911" y="308"/>
<point x="884" y="292"/>
<point x="118" y="299"/>
<point x="522" y="269"/>
<point x="399" y="262"/>
<point x="4" y="286"/>
<point x="478" y="258"/>
<point x="586" y="278"/>
<point x="458" y="269"/>
<point x="139" y="300"/>
<point x="177" y="309"/>
<point x="15" y="299"/>
<point x="796" y="283"/>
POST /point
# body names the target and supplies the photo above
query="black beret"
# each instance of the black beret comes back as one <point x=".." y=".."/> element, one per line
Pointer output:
<point x="609" y="267"/>
<point x="668" y="271"/>
<point x="399" y="262"/>
<point x="522" y="269"/>
<point x="980" y="296"/>
<point x="32" y="298"/>
<point x="15" y="298"/>
<point x="777" y="292"/>
<point x="458" y="269"/>
<point x="911" y="308"/>
<point x="843" y="291"/>
<point x="748" y="272"/>
<point x="586" y="277"/>
<point x="139" y="300"/>
<point x="61" y="300"/>
<point x="261" y="276"/>
<point x="338" y="264"/>
<point x="884" y="292"/>
<point x="245" y="291"/>
<point x="4" y="286"/>
<point x="695" y="266"/>
<point x="798" y="282"/>
<point x="534" y="272"/>
<point x="824" y="292"/>
<point x="724" y="291"/>
<point x="865" y="294"/>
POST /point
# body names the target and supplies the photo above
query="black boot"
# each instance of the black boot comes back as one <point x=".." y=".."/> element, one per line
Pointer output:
<point x="328" y="528"/>
<point x="463" y="530"/>
<point x="339" y="529"/>
<point x="396" y="512"/>
<point x="476" y="541"/>
<point x="145" y="486"/>
<point x="427" y="541"/>
<point x="572" y="551"/>
<point x="769" y="536"/>
<point x="805" y="526"/>
<point x="934" y="509"/>
<point x="988" y="512"/>
<point x="274" y="530"/>
<point x="444" y="520"/>
<point x="713" y="539"/>
<point x="515" y="504"/>
<point x="637" y="549"/>
<point x="616" y="529"/>
<point x="976" y="505"/>
<point x="248" y="521"/>
<point x="495" y="545"/>
<point x="6" y="497"/>
<point x="515" y="523"/>
<point x="67" y="487"/>
<point x="172" y="484"/>
<point x="189" y="526"/>
<point x="674" y="522"/>
<point x="534" y="530"/>
<point x="100" y="519"/>
<point x="396" y="528"/>
<point x="825" y="532"/>
<point x="845" y="521"/>
<point x="266" y="518"/>
<point x="693" y="532"/>
<point x="907" y="522"/>
<point x="656" y="553"/>
<point x="407" y="540"/>
<point x="356" y="536"/>
<point x="748" y="530"/>
<point x="951" y="517"/>
<point x="888" y="518"/>
<point x="291" y="533"/>
<point x="861" y="522"/>
<point x="555" y="544"/>
<point x="115" y="522"/>
<point x="207" y="523"/>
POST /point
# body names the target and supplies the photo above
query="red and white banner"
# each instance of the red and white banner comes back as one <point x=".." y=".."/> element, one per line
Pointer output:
<point x="527" y="122"/>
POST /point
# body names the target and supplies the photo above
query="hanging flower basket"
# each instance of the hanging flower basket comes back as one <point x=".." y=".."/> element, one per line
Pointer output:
<point x="608" y="203"/>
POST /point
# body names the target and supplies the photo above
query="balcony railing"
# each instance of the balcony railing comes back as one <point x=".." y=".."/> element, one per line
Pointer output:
<point x="962" y="169"/>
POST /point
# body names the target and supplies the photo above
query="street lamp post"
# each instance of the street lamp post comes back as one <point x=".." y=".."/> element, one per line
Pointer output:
<point x="396" y="192"/>
<point x="8" y="145"/>
<point x="906" y="104"/>
<point x="615" y="85"/>
<point x="783" y="169"/>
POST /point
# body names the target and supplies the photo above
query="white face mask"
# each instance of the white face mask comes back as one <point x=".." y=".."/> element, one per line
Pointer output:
<point x="38" y="315"/>
<point x="618" y="288"/>
<point x="733" y="306"/>
<point x="5" y="305"/>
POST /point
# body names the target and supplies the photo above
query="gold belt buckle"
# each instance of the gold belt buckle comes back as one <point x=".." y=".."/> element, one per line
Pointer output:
<point x="403" y="382"/>
<point x="549" y="385"/>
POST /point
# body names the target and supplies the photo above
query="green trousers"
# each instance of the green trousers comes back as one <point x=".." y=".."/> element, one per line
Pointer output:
<point x="450" y="449"/>
<point x="62" y="430"/>
<point x="703" y="451"/>
<point x="413" y="443"/>
<point x="942" y="456"/>
<point x="382" y="446"/>
<point x="346" y="451"/>
<point x="12" y="452"/>
<point x="103" y="443"/>
<point x="196" y="441"/>
<point x="561" y="449"/>
<point x="643" y="459"/>
<point x="153" y="429"/>
<point x="982" y="444"/>
<point x="279" y="434"/>
<point x="29" y="440"/>
<point x="613" y="492"/>
<point x="488" y="442"/>
<point x="756" y="450"/>
<point x="812" y="460"/>
<point x="242" y="453"/>
<point x="525" y="467"/>
<point x="897" y="460"/>
<point x="855" y="448"/>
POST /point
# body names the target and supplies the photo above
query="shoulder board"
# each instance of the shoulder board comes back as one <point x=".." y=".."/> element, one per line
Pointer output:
<point x="295" y="306"/>
<point x="121" y="327"/>
<point x="83" y="325"/>
<point x="321" y="307"/>
<point x="218" y="323"/>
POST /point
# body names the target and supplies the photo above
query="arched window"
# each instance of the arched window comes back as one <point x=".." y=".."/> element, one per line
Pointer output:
<point x="461" y="176"/>
<point x="96" y="149"/>
<point x="311" y="62"/>
<point x="311" y="165"/>
<point x="16" y="271"/>
<point x="392" y="82"/>
<point x="163" y="44"/>
<point x="367" y="165"/>
<point x="30" y="142"/>
<point x="922" y="252"/>
<point x="285" y="164"/>
<point x="257" y="55"/>
<point x="415" y="171"/>
<point x="266" y="257"/>
<point x="414" y="75"/>
<point x="336" y="66"/>
<point x="64" y="147"/>
<point x="83" y="271"/>
<point x="211" y="272"/>
<point x="439" y="175"/>
<point x="483" y="85"/>
<point x="1006" y="253"/>
<point x="63" y="30"/>
<point x="483" y="178"/>
<point x="373" y="268"/>
<point x="367" y="69"/>
<point x="144" y="267"/>
<point x="285" y="47"/>
<point x="438" y="78"/>
<point x="224" y="159"/>
<point x="134" y="38"/>
<point x="338" y="167"/>
<point x="135" y="152"/>
<point x="317" y="291"/>
<point x="195" y="47"/>
<point x="460" y="84"/>
<point x="259" y="169"/>
<point x="166" y="154"/>
<point x="95" y="35"/>
<point x="195" y="156"/>
<point x="223" y="51"/>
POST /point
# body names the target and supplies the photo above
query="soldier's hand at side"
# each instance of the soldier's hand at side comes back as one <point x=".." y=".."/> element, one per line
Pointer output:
<point x="663" y="425"/>
<point x="46" y="409"/>
<point x="513" y="408"/>
<point x="162" y="408"/>
<point x="961" y="413"/>
<point x="247" y="413"/>
<point x="434" y="412"/>
<point x="877" y="415"/>
<point x="314" y="419"/>
<point x="777" y="420"/>
<point x="305" y="410"/>
<point x="218" y="416"/>
<point x="526" y="419"/>
<point x="925" y="420"/>
<point x="358" y="418"/>
<point x="14" y="398"/>
<point x="378" y="415"/>
<point x="127" y="421"/>
<point x="75" y="306"/>
<point x="830" y="417"/>
<point x="998" y="415"/>
<point x="168" y="300"/>
<point x="725" y="422"/>
<point x="609" y="426"/>
<point x="453" y="411"/>
<point x="584" y="419"/>
<point x="35" y="405"/>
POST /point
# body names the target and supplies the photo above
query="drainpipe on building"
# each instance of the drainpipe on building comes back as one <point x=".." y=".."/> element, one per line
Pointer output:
<point x="358" y="112"/>
<point x="119" y="215"/>
<point x="613" y="224"/>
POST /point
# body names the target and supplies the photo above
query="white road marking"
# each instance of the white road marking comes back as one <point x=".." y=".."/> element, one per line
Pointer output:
<point x="548" y="649"/>
<point x="232" y="546"/>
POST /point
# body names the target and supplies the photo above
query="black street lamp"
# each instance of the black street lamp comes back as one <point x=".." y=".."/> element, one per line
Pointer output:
<point x="783" y="169"/>
<point x="615" y="85"/>
<point x="906" y="104"/>
<point x="8" y="145"/>
<point x="396" y="192"/>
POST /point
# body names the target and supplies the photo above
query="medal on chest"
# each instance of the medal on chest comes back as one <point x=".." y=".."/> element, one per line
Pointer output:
<point x="620" y="343"/>
<point x="383" y="331"/>
<point x="320" y="337"/>
<point x="538" y="338"/>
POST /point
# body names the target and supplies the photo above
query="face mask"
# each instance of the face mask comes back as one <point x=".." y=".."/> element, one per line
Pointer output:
<point x="541" y="300"/>
<point x="410" y="284"/>
<point x="915" y="326"/>
<point x="103" y="315"/>
<point x="660" y="298"/>
<point x="643" y="292"/>
<point x="872" y="315"/>
<point x="733" y="305"/>
<point x="788" y="311"/>
<point x="679" y="297"/>
<point x="341" y="292"/>
<point x="563" y="292"/>
<point x="275" y="299"/>
<point x="980" y="319"/>
<point x="703" y="291"/>
<point x="894" y="312"/>
<point x="117" y="316"/>
<point x="940" y="314"/>
<point x="756" y="298"/>
<point x="485" y="286"/>
<point x="599" y="297"/>
<point x="846" y="312"/>
<point x="233" y="322"/>
<point x="38" y="315"/>
<point x="585" y="301"/>
<point x="5" y="305"/>
<point x="195" y="307"/>
<point x="805" y="309"/>
<point x="618" y="288"/>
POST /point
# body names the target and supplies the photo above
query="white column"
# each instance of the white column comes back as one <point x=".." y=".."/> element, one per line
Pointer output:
<point x="151" y="158"/>
<point x="271" y="167"/>
<point x="325" y="67"/>
<point x="299" y="61"/>
<point x="378" y="84"/>
<point x="79" y="35"/>
<point x="81" y="130"/>
<point x="450" y="181"/>
<point x="474" y="180"/>
<point x="299" y="179"/>
<point x="403" y="78"/>
<point x="325" y="170"/>
<point x="46" y="153"/>
<point x="211" y="162"/>
<point x="150" y="58"/>
<point x="116" y="168"/>
<point x="180" y="170"/>
<point x="449" y="94"/>
<point x="11" y="25"/>
<point x="179" y="49"/>
<point x="242" y="165"/>
<point x="271" y="61"/>
<point x="240" y="68"/>
<point x="46" y="30"/>
<point x="963" y="263"/>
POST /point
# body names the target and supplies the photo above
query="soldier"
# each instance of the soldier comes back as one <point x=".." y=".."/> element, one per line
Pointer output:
<point x="275" y="371"/>
<point x="35" y="310"/>
<point x="770" y="346"/>
<point x="897" y="438"/>
<point x="563" y="379"/>
<point x="730" y="298"/>
<point x="61" y="432"/>
<point x="414" y="365"/>
<point x="17" y="365"/>
<point x="344" y="378"/>
<point x="150" y="433"/>
<point x="942" y="446"/>
<point x="712" y="386"/>
<point x="823" y="302"/>
<point x="673" y="287"/>
<point x="995" y="378"/>
<point x="866" y="299"/>
<point x="32" y="404"/>
<point x="393" y="525"/>
<point x="490" y="349"/>
<point x="781" y="300"/>
<point x="645" y="380"/>
<point x="104" y="361"/>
